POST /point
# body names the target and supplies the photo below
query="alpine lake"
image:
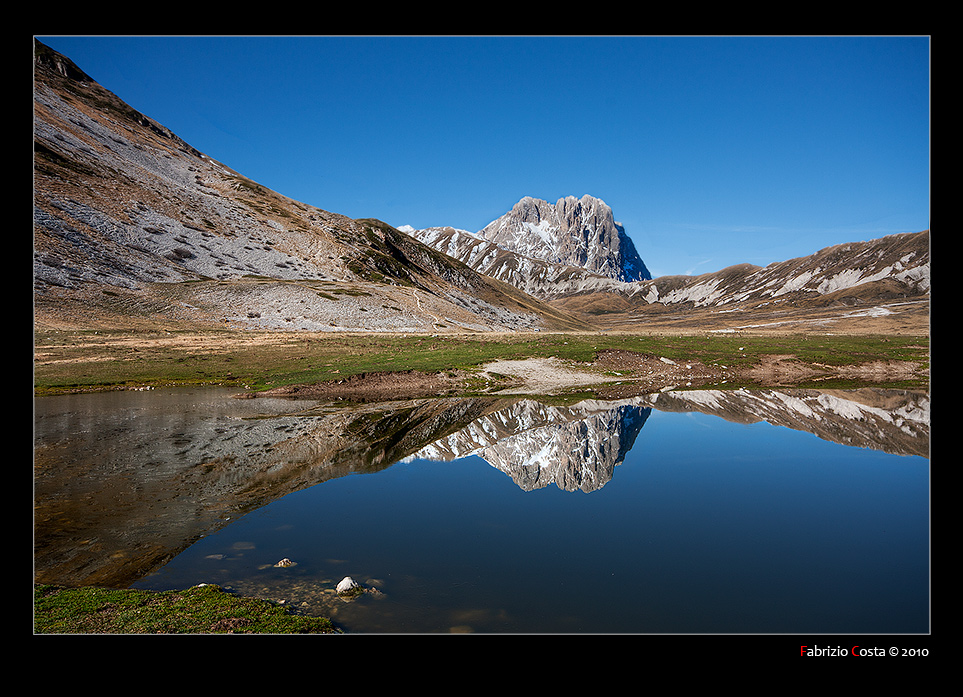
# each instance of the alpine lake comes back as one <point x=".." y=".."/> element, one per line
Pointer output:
<point x="742" y="511"/>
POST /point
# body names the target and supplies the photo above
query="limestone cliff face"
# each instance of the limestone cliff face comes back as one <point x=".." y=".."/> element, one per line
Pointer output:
<point x="548" y="250"/>
<point x="572" y="232"/>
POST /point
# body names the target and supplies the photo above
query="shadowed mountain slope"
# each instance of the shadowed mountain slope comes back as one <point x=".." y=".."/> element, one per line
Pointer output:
<point x="135" y="227"/>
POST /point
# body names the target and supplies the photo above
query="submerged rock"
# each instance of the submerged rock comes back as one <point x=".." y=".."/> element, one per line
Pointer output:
<point x="348" y="586"/>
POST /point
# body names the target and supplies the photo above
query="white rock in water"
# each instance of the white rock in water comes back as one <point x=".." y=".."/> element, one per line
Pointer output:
<point x="347" y="585"/>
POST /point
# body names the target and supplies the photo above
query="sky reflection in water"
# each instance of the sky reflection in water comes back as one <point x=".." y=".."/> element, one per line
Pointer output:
<point x="707" y="526"/>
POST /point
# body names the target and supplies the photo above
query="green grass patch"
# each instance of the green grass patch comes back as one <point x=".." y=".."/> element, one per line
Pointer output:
<point x="78" y="360"/>
<point x="198" y="610"/>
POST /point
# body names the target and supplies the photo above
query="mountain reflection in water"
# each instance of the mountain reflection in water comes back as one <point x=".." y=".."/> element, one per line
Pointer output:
<point x="575" y="447"/>
<point x="124" y="482"/>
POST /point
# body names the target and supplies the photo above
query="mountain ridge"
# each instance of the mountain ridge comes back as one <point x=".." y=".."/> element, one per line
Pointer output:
<point x="134" y="227"/>
<point x="889" y="268"/>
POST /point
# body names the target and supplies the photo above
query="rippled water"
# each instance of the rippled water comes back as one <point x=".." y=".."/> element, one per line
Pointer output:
<point x="690" y="512"/>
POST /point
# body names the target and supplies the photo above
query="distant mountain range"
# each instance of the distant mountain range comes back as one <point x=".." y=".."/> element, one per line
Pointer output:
<point x="550" y="249"/>
<point x="133" y="227"/>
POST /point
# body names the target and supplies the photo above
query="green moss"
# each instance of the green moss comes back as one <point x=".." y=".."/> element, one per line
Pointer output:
<point x="199" y="610"/>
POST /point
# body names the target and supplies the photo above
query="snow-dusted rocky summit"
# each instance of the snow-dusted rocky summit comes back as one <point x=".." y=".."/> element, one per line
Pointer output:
<point x="574" y="232"/>
<point x="545" y="249"/>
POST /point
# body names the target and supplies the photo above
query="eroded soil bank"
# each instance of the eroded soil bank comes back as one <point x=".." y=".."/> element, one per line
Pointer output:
<point x="627" y="369"/>
<point x="374" y="387"/>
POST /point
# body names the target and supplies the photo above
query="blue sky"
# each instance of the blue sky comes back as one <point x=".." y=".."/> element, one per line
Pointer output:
<point x="711" y="151"/>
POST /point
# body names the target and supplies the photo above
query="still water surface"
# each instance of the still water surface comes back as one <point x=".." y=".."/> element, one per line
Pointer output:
<point x="691" y="512"/>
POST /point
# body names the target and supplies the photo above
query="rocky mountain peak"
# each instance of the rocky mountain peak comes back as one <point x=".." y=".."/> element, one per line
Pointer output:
<point x="58" y="64"/>
<point x="580" y="232"/>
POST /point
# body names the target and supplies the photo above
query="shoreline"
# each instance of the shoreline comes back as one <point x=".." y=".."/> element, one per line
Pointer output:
<point x="395" y="365"/>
